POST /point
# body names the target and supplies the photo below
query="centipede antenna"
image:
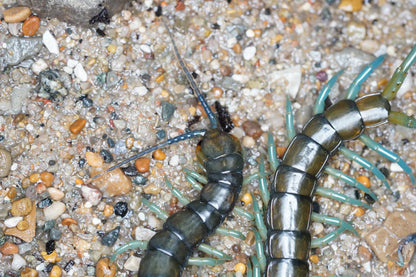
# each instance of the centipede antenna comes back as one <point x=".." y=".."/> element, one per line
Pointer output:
<point x="185" y="136"/>
<point x="399" y="75"/>
<point x="191" y="81"/>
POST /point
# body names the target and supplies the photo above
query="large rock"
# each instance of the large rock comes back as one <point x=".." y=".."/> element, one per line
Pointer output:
<point x="78" y="12"/>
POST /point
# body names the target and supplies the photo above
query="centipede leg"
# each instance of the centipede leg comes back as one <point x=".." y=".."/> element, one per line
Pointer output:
<point x="261" y="257"/>
<point x="130" y="245"/>
<point x="213" y="251"/>
<point x="258" y="215"/>
<point x="290" y="127"/>
<point x="333" y="221"/>
<point x="256" y="267"/>
<point x="340" y="197"/>
<point x="205" y="261"/>
<point x="323" y="94"/>
<point x="364" y="163"/>
<point x="387" y="154"/>
<point x="362" y="76"/>
<point x="272" y="153"/>
<point x="315" y="243"/>
<point x="265" y="194"/>
<point x="349" y="180"/>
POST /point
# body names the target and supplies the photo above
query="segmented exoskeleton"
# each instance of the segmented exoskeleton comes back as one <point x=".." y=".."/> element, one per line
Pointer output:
<point x="220" y="154"/>
<point x="290" y="207"/>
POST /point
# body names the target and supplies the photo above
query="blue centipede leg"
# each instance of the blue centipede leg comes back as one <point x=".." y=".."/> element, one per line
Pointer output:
<point x="387" y="154"/>
<point x="315" y="243"/>
<point x="256" y="267"/>
<point x="323" y="94"/>
<point x="182" y="199"/>
<point x="290" y="127"/>
<point x="364" y="163"/>
<point x="402" y="119"/>
<point x="260" y="251"/>
<point x="205" y="261"/>
<point x="200" y="178"/>
<point x="249" y="269"/>
<point x="213" y="251"/>
<point x="258" y="216"/>
<point x="265" y="194"/>
<point x="156" y="209"/>
<point x="194" y="183"/>
<point x="392" y="87"/>
<point x="133" y="244"/>
<point x="272" y="153"/>
<point x="230" y="232"/>
<point x="364" y="74"/>
<point x="340" y="197"/>
<point x="333" y="221"/>
<point x="349" y="180"/>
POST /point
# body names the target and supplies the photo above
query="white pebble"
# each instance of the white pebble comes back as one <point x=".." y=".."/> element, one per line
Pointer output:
<point x="395" y="168"/>
<point x="141" y="233"/>
<point x="231" y="42"/>
<point x="145" y="48"/>
<point x="88" y="204"/>
<point x="96" y="221"/>
<point x="214" y="65"/>
<point x="80" y="73"/>
<point x="12" y="221"/>
<point x="39" y="66"/>
<point x="68" y="70"/>
<point x="132" y="263"/>
<point x="248" y="142"/>
<point x="153" y="221"/>
<point x="50" y="42"/>
<point x="174" y="161"/>
<point x="18" y="262"/>
<point x="249" y="52"/>
<point x="250" y="33"/>
<point x="140" y="91"/>
<point x="142" y="216"/>
<point x="72" y="63"/>
<point x="317" y="228"/>
<point x="54" y="211"/>
<point x="293" y="77"/>
<point x="55" y="194"/>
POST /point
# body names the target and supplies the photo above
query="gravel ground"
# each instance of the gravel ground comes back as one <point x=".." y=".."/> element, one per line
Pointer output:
<point x="122" y="81"/>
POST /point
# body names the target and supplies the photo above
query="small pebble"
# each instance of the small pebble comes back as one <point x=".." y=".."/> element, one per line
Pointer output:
<point x="350" y="5"/>
<point x="38" y="66"/>
<point x="29" y="272"/>
<point x="364" y="254"/>
<point x="152" y="189"/>
<point x="94" y="159"/>
<point x="55" y="194"/>
<point x="55" y="234"/>
<point x="142" y="164"/>
<point x="46" y="202"/>
<point x="167" y="110"/>
<point x="248" y="142"/>
<point x="252" y="129"/>
<point x="22" y="225"/>
<point x="130" y="171"/>
<point x="68" y="221"/>
<point x="112" y="183"/>
<point x="47" y="178"/>
<point x="16" y="14"/>
<point x="132" y="263"/>
<point x="159" y="155"/>
<point x="18" y="262"/>
<point x="322" y="76"/>
<point x="110" y="238"/>
<point x="77" y="126"/>
<point x="50" y="246"/>
<point x="106" y="155"/>
<point x="50" y="42"/>
<point x="249" y="52"/>
<point x="9" y="248"/>
<point x="56" y="271"/>
<point x="104" y="268"/>
<point x="54" y="211"/>
<point x="5" y="161"/>
<point x="140" y="180"/>
<point x="80" y="73"/>
<point x="121" y="208"/>
<point x="92" y="194"/>
<point x="69" y="265"/>
<point x="21" y="207"/>
<point x="30" y="26"/>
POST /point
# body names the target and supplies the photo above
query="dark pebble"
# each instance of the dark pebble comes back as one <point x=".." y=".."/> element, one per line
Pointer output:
<point x="81" y="162"/>
<point x="98" y="120"/>
<point x="100" y="233"/>
<point x="267" y="11"/>
<point x="396" y="195"/>
<point x="236" y="248"/>
<point x="161" y="134"/>
<point x="385" y="171"/>
<point x="167" y="110"/>
<point x="315" y="207"/>
<point x="55" y="234"/>
<point x="326" y="14"/>
<point x="131" y="171"/>
<point x="111" y="79"/>
<point x="50" y="246"/>
<point x="48" y="225"/>
<point x="252" y="129"/>
<point x="145" y="77"/>
<point x="322" y="76"/>
<point x="46" y="202"/>
<point x="1" y="138"/>
<point x="111" y="142"/>
<point x="121" y="208"/>
<point x="2" y="237"/>
<point x="51" y="162"/>
<point x="140" y="180"/>
<point x="370" y="200"/>
<point x="69" y="265"/>
<point x="87" y="102"/>
<point x="107" y="156"/>
<point x="110" y="238"/>
<point x="49" y="267"/>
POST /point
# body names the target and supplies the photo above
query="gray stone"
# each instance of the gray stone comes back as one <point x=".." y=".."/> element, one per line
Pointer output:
<point x="78" y="12"/>
<point x="20" y="49"/>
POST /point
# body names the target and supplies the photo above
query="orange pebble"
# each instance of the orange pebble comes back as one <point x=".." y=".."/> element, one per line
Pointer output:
<point x="78" y="181"/>
<point x="160" y="78"/>
<point x="29" y="272"/>
<point x="77" y="126"/>
<point x="142" y="165"/>
<point x="9" y="248"/>
<point x="180" y="5"/>
<point x="280" y="151"/>
<point x="364" y="180"/>
<point x="68" y="221"/>
<point x="359" y="211"/>
<point x="314" y="259"/>
<point x="159" y="155"/>
<point x="108" y="210"/>
<point x="34" y="177"/>
<point x="105" y="268"/>
<point x="47" y="178"/>
<point x="30" y="26"/>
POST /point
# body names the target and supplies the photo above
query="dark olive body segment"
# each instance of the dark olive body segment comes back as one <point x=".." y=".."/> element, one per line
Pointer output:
<point x="345" y="118"/>
<point x="288" y="179"/>
<point x="374" y="109"/>
<point x="306" y="155"/>
<point x="289" y="212"/>
<point x="170" y="248"/>
<point x="158" y="264"/>
<point x="320" y="130"/>
<point x="287" y="267"/>
<point x="289" y="245"/>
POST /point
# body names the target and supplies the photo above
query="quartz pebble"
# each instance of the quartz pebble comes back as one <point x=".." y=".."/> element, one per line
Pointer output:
<point x="92" y="194"/>
<point x="249" y="52"/>
<point x="38" y="66"/>
<point x="132" y="263"/>
<point x="18" y="262"/>
<point x="56" y="194"/>
<point x="12" y="221"/>
<point x="5" y="162"/>
<point x="16" y="14"/>
<point x="364" y="254"/>
<point x="50" y="42"/>
<point x="80" y="73"/>
<point x="94" y="159"/>
<point x="112" y="183"/>
<point x="54" y="211"/>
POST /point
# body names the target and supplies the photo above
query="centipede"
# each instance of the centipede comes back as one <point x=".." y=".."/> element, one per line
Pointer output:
<point x="289" y="211"/>
<point x="220" y="154"/>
